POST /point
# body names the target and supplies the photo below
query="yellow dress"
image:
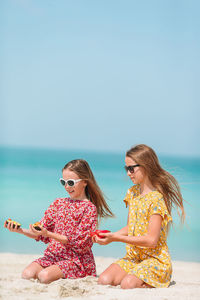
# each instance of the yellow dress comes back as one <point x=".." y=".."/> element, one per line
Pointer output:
<point x="152" y="265"/>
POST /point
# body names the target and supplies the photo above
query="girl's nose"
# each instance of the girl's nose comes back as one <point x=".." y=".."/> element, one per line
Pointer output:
<point x="67" y="186"/>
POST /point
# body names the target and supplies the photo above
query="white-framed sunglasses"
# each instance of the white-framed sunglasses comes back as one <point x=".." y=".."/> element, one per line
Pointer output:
<point x="69" y="182"/>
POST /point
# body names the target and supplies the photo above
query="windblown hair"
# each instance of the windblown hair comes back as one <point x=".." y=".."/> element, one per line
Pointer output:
<point x="162" y="180"/>
<point x="92" y="190"/>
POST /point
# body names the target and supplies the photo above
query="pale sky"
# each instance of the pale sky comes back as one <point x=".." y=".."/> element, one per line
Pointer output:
<point x="100" y="75"/>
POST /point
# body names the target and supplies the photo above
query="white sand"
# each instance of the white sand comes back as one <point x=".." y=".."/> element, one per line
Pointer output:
<point x="185" y="283"/>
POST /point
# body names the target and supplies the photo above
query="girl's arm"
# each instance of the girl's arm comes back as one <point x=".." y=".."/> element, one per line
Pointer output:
<point x="34" y="234"/>
<point x="149" y="240"/>
<point x="27" y="232"/>
<point x="48" y="234"/>
<point x="58" y="237"/>
<point x="123" y="231"/>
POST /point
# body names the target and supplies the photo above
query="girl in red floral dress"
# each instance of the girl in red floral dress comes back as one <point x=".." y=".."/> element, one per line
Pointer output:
<point x="66" y="227"/>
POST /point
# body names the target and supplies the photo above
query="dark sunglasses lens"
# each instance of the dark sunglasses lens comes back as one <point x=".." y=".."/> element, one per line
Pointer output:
<point x="70" y="182"/>
<point x="129" y="168"/>
<point x="62" y="182"/>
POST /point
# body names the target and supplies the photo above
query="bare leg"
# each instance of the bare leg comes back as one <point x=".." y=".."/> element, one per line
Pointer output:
<point x="131" y="282"/>
<point x="31" y="271"/>
<point x="113" y="275"/>
<point x="45" y="275"/>
<point x="50" y="274"/>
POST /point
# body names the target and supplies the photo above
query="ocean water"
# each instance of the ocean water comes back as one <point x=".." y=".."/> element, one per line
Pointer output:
<point x="29" y="183"/>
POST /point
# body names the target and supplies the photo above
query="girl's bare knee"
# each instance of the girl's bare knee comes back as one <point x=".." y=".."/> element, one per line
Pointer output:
<point x="104" y="279"/>
<point x="43" y="276"/>
<point x="113" y="275"/>
<point x="130" y="282"/>
<point x="31" y="271"/>
<point x="27" y="274"/>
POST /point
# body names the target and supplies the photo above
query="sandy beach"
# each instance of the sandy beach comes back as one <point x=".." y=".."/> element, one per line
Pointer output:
<point x="185" y="283"/>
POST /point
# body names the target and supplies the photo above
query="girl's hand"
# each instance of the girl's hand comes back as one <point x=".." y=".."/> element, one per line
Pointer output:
<point x="94" y="238"/>
<point x="12" y="227"/>
<point x="106" y="238"/>
<point x="43" y="231"/>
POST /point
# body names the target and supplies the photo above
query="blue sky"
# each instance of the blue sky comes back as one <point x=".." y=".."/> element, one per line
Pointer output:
<point x="100" y="75"/>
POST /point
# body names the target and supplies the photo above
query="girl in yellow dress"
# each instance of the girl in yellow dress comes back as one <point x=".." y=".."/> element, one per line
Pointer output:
<point x="147" y="262"/>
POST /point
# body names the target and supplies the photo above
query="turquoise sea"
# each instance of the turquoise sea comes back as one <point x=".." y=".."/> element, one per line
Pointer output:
<point x="29" y="182"/>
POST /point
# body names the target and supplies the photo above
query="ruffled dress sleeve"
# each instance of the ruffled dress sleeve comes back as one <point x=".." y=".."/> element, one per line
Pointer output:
<point x="48" y="220"/>
<point x="131" y="193"/>
<point x="159" y="207"/>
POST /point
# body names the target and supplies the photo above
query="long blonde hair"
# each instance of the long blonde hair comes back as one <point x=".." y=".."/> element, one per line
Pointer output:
<point x="162" y="180"/>
<point x="92" y="190"/>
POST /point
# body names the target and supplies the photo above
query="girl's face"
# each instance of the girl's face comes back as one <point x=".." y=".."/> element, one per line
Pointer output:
<point x="138" y="176"/>
<point x="78" y="190"/>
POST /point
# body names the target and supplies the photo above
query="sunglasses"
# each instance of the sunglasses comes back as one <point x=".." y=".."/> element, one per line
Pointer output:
<point x="131" y="168"/>
<point x="69" y="182"/>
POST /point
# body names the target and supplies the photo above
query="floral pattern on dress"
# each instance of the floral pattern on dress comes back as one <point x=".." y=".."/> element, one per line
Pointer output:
<point x="152" y="265"/>
<point x="75" y="219"/>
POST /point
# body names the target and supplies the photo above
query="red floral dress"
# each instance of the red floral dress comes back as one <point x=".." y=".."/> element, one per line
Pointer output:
<point x="74" y="219"/>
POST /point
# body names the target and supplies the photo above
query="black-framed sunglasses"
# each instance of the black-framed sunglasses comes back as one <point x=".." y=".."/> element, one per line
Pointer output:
<point x="69" y="182"/>
<point x="131" y="169"/>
